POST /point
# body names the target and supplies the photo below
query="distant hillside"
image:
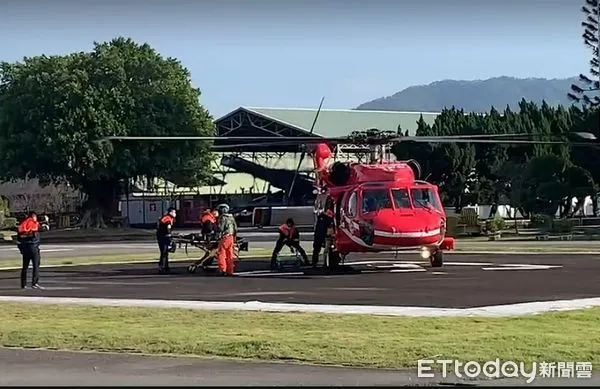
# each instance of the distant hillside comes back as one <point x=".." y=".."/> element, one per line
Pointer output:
<point x="475" y="96"/>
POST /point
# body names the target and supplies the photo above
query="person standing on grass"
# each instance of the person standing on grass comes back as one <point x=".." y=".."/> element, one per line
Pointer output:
<point x="28" y="242"/>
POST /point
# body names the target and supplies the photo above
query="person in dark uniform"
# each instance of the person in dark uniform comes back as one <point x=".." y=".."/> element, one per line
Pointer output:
<point x="164" y="238"/>
<point x="322" y="227"/>
<point x="288" y="236"/>
<point x="28" y="242"/>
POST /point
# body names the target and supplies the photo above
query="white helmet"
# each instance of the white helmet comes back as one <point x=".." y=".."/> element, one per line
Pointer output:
<point x="223" y="208"/>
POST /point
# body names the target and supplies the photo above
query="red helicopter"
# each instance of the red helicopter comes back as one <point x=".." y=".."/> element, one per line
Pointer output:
<point x="380" y="206"/>
<point x="377" y="206"/>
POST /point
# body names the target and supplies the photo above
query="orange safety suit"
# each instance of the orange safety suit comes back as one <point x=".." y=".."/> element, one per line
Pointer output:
<point x="321" y="154"/>
<point x="29" y="245"/>
<point x="209" y="224"/>
<point x="208" y="217"/>
<point x="226" y="250"/>
<point x="288" y="236"/>
<point x="28" y="226"/>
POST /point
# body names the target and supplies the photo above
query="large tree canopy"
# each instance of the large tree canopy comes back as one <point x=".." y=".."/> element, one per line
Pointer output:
<point x="588" y="93"/>
<point x="534" y="178"/>
<point x="54" y="108"/>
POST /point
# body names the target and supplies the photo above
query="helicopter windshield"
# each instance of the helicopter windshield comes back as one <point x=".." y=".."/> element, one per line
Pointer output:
<point x="401" y="200"/>
<point x="425" y="198"/>
<point x="375" y="199"/>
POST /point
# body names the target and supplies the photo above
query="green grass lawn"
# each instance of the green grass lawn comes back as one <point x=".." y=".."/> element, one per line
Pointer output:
<point x="352" y="340"/>
<point x="119" y="258"/>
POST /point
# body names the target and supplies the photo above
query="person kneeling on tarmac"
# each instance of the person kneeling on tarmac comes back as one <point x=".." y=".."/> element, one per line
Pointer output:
<point x="288" y="236"/>
<point x="227" y="235"/>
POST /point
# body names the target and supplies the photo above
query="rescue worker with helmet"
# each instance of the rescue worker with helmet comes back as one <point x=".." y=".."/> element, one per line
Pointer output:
<point x="28" y="242"/>
<point x="164" y="236"/>
<point x="209" y="224"/>
<point x="227" y="235"/>
<point x="288" y="236"/>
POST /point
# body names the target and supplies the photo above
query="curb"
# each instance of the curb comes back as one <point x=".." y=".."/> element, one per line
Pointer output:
<point x="511" y="310"/>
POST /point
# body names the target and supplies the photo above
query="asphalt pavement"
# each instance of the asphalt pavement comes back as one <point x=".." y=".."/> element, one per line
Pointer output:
<point x="120" y="369"/>
<point x="20" y="367"/>
<point x="465" y="281"/>
<point x="266" y="240"/>
<point x="70" y="250"/>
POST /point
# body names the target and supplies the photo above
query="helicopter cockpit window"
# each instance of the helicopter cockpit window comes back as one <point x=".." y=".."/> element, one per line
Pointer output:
<point x="401" y="199"/>
<point x="375" y="199"/>
<point x="424" y="198"/>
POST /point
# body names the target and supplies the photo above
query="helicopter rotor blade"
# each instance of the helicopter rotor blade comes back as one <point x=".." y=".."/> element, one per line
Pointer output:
<point x="312" y="129"/>
<point x="498" y="141"/>
<point x="588" y="139"/>
<point x="207" y="138"/>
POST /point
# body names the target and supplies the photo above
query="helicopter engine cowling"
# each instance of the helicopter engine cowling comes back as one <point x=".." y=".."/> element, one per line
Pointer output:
<point x="340" y="173"/>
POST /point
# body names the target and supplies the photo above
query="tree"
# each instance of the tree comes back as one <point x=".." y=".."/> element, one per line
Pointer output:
<point x="54" y="108"/>
<point x="589" y="93"/>
<point x="421" y="152"/>
<point x="551" y="182"/>
<point x="488" y="185"/>
<point x="447" y="165"/>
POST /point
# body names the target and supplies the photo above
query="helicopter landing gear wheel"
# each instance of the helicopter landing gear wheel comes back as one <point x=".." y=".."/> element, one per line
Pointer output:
<point x="437" y="259"/>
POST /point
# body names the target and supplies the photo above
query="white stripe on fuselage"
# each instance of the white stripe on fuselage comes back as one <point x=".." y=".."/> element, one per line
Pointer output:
<point x="381" y="247"/>
<point x="387" y="234"/>
<point x="415" y="234"/>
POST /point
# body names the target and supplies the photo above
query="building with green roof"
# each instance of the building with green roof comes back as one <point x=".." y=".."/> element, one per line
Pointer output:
<point x="240" y="184"/>
<point x="341" y="122"/>
<point x="259" y="122"/>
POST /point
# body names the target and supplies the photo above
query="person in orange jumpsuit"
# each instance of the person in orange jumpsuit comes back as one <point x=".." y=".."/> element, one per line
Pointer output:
<point x="28" y="242"/>
<point x="288" y="236"/>
<point x="227" y="235"/>
<point x="321" y="154"/>
<point x="209" y="224"/>
<point x="164" y="238"/>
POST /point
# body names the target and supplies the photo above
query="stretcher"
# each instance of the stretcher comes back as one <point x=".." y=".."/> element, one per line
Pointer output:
<point x="209" y="245"/>
<point x="291" y="260"/>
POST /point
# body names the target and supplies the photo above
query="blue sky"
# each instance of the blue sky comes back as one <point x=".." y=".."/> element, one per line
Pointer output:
<point x="291" y="53"/>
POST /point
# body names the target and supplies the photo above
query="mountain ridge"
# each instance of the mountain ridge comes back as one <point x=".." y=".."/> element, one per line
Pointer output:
<point x="475" y="95"/>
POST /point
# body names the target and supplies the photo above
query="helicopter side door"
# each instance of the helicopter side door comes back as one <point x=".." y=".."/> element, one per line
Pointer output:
<point x="350" y="211"/>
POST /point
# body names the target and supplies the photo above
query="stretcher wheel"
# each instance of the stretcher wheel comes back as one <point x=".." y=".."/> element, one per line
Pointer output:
<point x="192" y="269"/>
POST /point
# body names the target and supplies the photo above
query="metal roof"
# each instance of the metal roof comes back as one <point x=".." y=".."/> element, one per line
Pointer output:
<point x="341" y="122"/>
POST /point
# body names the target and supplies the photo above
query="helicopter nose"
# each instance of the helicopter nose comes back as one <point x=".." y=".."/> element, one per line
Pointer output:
<point x="423" y="224"/>
<point x="432" y="224"/>
<point x="392" y="223"/>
